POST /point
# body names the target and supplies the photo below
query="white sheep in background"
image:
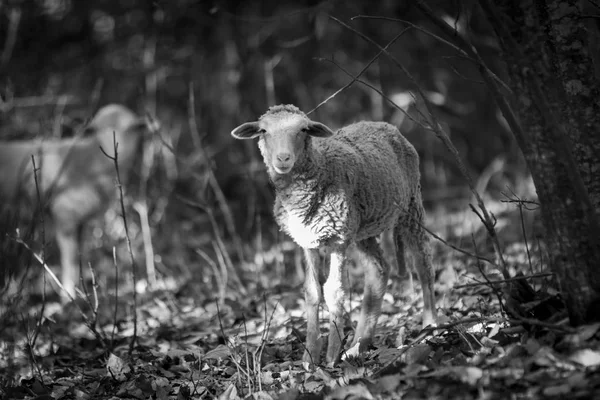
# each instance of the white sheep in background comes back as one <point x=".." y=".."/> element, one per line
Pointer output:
<point x="75" y="179"/>
<point x="336" y="190"/>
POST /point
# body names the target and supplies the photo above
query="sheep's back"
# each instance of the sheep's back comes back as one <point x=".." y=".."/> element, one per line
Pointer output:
<point x="61" y="164"/>
<point x="380" y="168"/>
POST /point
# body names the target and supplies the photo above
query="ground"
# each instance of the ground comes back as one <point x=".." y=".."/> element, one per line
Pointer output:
<point x="190" y="341"/>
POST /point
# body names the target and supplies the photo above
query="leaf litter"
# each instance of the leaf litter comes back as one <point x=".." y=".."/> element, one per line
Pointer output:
<point x="194" y="347"/>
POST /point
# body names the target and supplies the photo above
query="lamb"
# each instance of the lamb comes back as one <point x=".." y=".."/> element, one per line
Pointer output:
<point x="76" y="180"/>
<point x="337" y="190"/>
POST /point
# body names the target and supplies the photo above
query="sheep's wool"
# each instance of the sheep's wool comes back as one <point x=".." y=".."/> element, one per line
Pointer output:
<point x="348" y="187"/>
<point x="282" y="108"/>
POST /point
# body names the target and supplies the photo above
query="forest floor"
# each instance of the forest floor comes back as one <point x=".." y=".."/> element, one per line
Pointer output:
<point x="192" y="344"/>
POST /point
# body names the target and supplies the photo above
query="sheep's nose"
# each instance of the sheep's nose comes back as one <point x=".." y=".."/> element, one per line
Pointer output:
<point x="284" y="157"/>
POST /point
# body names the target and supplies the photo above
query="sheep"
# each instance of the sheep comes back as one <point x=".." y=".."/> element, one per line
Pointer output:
<point x="75" y="179"/>
<point x="339" y="190"/>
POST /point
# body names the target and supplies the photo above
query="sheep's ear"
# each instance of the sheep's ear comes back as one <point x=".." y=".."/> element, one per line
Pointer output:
<point x="318" y="129"/>
<point x="249" y="130"/>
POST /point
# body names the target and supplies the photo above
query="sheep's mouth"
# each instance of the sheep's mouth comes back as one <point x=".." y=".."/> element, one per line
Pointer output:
<point x="282" y="169"/>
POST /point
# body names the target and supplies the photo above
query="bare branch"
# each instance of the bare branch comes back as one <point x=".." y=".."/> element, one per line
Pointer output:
<point x="500" y="281"/>
<point x="356" y="79"/>
<point x="362" y="71"/>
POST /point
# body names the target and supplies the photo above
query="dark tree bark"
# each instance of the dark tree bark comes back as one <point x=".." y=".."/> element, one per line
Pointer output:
<point x="551" y="50"/>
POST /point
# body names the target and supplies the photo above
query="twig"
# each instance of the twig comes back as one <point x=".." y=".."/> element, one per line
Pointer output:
<point x="524" y="203"/>
<point x="362" y="71"/>
<point x="465" y="54"/>
<point x="487" y="280"/>
<point x="355" y="79"/>
<point x="512" y="321"/>
<point x="115" y="160"/>
<point x="500" y="281"/>
<point x="116" y="265"/>
<point x="465" y="252"/>
<point x="520" y="205"/>
<point x="43" y="251"/>
<point x="248" y="372"/>
<point x="265" y="333"/>
<point x="48" y="270"/>
<point x="96" y="303"/>
<point x="222" y="250"/>
<point x="213" y="182"/>
<point x="220" y="278"/>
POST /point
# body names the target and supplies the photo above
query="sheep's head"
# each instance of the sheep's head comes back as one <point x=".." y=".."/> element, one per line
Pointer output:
<point x="115" y="117"/>
<point x="118" y="119"/>
<point x="283" y="132"/>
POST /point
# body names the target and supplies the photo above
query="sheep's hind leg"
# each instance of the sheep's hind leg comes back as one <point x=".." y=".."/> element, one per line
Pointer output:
<point x="376" y="271"/>
<point x="312" y="296"/>
<point x="334" y="292"/>
<point x="421" y="247"/>
<point x="404" y="270"/>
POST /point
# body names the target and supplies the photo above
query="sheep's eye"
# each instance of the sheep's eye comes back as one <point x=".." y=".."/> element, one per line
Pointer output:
<point x="304" y="130"/>
<point x="261" y="131"/>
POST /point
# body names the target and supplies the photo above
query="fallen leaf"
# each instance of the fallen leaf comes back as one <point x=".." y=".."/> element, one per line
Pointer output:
<point x="389" y="383"/>
<point x="219" y="352"/>
<point x="586" y="357"/>
<point x="558" y="390"/>
<point x="583" y="334"/>
<point x="417" y="354"/>
<point x="291" y="394"/>
<point x="262" y="395"/>
<point x="230" y="393"/>
<point x="350" y="392"/>
<point x="117" y="368"/>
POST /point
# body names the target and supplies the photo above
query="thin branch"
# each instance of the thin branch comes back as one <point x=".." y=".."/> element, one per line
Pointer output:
<point x="500" y="281"/>
<point x="498" y="293"/>
<point x="214" y="183"/>
<point x="38" y="184"/>
<point x="115" y="312"/>
<point x="466" y="54"/>
<point x="115" y="160"/>
<point x="462" y="251"/>
<point x="57" y="281"/>
<point x="362" y="71"/>
<point x="356" y="79"/>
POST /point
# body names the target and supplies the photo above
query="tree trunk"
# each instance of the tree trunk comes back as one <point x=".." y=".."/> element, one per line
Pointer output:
<point x="549" y="48"/>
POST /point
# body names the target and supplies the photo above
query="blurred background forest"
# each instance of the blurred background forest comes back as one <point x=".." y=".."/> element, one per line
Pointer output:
<point x="203" y="67"/>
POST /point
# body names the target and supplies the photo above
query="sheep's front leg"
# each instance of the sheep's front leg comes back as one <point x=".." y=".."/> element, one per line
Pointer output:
<point x="68" y="241"/>
<point x="376" y="277"/>
<point x="334" y="292"/>
<point x="312" y="296"/>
